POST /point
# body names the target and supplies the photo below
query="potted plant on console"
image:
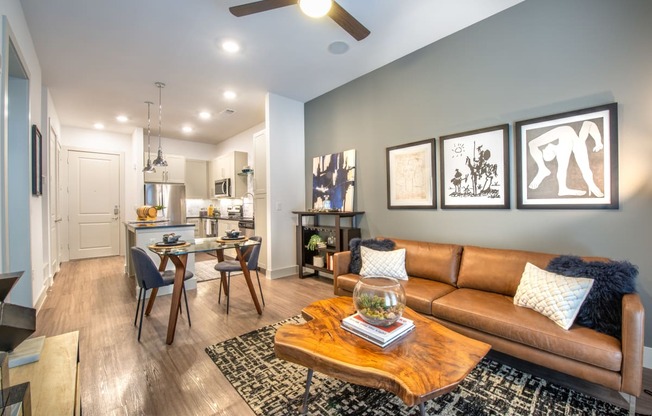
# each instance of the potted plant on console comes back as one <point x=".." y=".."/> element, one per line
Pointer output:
<point x="314" y="243"/>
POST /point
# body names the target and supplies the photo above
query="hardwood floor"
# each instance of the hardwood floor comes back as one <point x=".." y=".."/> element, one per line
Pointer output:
<point x="120" y="376"/>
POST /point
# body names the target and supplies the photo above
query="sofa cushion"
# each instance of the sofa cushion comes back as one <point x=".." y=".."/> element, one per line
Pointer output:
<point x="497" y="315"/>
<point x="552" y="295"/>
<point x="419" y="293"/>
<point x="602" y="309"/>
<point x="440" y="262"/>
<point x="380" y="244"/>
<point x="383" y="263"/>
<point x="496" y="270"/>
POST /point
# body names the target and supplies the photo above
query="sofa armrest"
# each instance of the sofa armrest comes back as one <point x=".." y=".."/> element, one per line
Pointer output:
<point x="632" y="344"/>
<point x="341" y="262"/>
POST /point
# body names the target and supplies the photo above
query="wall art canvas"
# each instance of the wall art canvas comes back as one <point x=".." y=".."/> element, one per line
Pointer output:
<point x="475" y="168"/>
<point x="410" y="175"/>
<point x="569" y="160"/>
<point x="333" y="181"/>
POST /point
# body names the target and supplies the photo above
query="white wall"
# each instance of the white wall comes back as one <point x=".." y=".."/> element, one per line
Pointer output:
<point x="242" y="142"/>
<point x="286" y="181"/>
<point x="33" y="260"/>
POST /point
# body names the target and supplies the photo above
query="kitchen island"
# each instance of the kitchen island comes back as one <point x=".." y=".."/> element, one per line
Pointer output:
<point x="145" y="233"/>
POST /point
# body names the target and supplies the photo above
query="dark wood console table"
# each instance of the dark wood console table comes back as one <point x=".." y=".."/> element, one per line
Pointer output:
<point x="341" y="236"/>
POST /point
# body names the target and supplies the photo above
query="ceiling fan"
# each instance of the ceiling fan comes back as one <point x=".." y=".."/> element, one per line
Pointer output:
<point x="334" y="11"/>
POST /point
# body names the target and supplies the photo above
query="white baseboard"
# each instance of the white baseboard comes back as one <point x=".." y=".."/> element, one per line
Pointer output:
<point x="647" y="357"/>
<point x="284" y="272"/>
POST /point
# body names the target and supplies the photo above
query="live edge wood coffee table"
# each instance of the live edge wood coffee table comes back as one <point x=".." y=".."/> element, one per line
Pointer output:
<point x="429" y="362"/>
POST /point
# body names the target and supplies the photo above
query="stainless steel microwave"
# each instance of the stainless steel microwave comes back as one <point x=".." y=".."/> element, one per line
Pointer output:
<point x="222" y="188"/>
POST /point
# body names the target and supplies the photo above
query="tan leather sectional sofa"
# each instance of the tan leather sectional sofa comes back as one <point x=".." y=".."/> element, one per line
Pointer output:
<point x="470" y="290"/>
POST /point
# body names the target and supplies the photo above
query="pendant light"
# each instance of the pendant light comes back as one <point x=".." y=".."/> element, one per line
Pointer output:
<point x="159" y="161"/>
<point x="149" y="168"/>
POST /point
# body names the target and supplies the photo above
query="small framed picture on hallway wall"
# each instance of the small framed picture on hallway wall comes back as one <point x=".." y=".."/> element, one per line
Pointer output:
<point x="568" y="160"/>
<point x="37" y="161"/>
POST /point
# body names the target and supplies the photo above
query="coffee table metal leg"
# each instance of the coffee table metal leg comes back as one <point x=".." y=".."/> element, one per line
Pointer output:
<point x="304" y="410"/>
<point x="422" y="407"/>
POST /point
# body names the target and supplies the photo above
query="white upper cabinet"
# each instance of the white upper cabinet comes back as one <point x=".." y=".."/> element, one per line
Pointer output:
<point x="174" y="172"/>
<point x="197" y="179"/>
<point x="260" y="163"/>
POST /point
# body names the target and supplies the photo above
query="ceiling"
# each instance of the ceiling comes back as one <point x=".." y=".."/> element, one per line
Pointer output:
<point x="101" y="59"/>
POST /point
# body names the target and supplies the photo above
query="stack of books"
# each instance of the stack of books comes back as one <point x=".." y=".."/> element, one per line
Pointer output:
<point x="379" y="335"/>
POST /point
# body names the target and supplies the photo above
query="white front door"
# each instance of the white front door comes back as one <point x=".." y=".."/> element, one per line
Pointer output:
<point x="94" y="208"/>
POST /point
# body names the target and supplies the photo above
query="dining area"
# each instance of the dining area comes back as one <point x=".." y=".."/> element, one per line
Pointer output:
<point x="151" y="276"/>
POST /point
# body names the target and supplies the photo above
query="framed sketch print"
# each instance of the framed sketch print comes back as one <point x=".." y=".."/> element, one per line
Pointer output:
<point x="37" y="162"/>
<point x="410" y="175"/>
<point x="333" y="181"/>
<point x="569" y="160"/>
<point x="475" y="168"/>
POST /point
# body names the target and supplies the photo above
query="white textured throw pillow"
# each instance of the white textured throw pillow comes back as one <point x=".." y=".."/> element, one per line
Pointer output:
<point x="555" y="296"/>
<point x="383" y="263"/>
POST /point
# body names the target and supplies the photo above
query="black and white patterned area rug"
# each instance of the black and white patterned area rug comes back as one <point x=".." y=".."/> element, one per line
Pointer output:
<point x="271" y="386"/>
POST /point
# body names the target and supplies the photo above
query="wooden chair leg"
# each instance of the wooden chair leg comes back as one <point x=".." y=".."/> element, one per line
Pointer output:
<point x="260" y="288"/>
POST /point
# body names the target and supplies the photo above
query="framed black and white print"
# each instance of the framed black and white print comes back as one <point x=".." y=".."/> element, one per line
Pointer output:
<point x="568" y="160"/>
<point x="37" y="161"/>
<point x="475" y="168"/>
<point x="410" y="175"/>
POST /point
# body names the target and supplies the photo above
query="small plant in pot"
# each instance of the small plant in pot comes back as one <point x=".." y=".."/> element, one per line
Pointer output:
<point x="314" y="243"/>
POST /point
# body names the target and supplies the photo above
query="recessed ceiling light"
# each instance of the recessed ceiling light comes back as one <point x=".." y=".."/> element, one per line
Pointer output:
<point x="98" y="126"/>
<point x="338" y="47"/>
<point x="186" y="129"/>
<point x="204" y="115"/>
<point x="230" y="46"/>
<point x="229" y="95"/>
<point x="122" y="118"/>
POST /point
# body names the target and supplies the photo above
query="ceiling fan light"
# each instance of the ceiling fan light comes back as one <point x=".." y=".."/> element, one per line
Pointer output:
<point x="315" y="8"/>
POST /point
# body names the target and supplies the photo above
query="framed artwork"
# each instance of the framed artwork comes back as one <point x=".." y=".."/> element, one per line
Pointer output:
<point x="475" y="168"/>
<point x="333" y="181"/>
<point x="410" y="175"/>
<point x="37" y="161"/>
<point x="568" y="160"/>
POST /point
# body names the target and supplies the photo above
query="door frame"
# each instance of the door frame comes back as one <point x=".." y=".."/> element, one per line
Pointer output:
<point x="65" y="198"/>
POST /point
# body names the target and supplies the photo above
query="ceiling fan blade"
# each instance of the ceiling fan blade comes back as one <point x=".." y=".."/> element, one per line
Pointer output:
<point x="348" y="22"/>
<point x="259" y="6"/>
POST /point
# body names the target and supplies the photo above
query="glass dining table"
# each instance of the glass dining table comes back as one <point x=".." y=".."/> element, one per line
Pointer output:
<point x="178" y="254"/>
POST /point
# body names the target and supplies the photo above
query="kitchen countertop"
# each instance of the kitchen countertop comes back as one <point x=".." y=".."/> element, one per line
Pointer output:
<point x="150" y="225"/>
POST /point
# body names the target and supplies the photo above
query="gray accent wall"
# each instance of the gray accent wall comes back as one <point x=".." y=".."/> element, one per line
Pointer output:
<point x="538" y="58"/>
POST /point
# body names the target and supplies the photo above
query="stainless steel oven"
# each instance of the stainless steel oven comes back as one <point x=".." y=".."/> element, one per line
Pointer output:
<point x="246" y="227"/>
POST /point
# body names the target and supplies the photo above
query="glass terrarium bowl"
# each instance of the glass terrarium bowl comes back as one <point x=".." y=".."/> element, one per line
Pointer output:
<point x="379" y="300"/>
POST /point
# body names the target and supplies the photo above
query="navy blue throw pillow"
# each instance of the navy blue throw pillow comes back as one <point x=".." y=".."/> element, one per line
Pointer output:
<point x="602" y="309"/>
<point x="380" y="244"/>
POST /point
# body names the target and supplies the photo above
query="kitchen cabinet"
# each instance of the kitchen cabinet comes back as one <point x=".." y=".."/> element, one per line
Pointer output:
<point x="174" y="172"/>
<point x="339" y="235"/>
<point x="197" y="179"/>
<point x="227" y="167"/>
<point x="260" y="163"/>
<point x="196" y="222"/>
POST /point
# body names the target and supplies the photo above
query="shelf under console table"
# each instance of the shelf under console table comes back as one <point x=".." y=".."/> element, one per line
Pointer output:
<point x="314" y="222"/>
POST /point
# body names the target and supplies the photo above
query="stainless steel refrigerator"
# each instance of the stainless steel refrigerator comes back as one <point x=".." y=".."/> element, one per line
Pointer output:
<point x="172" y="196"/>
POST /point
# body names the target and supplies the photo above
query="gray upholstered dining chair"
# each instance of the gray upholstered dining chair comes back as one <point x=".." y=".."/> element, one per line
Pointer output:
<point x="149" y="277"/>
<point x="228" y="266"/>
